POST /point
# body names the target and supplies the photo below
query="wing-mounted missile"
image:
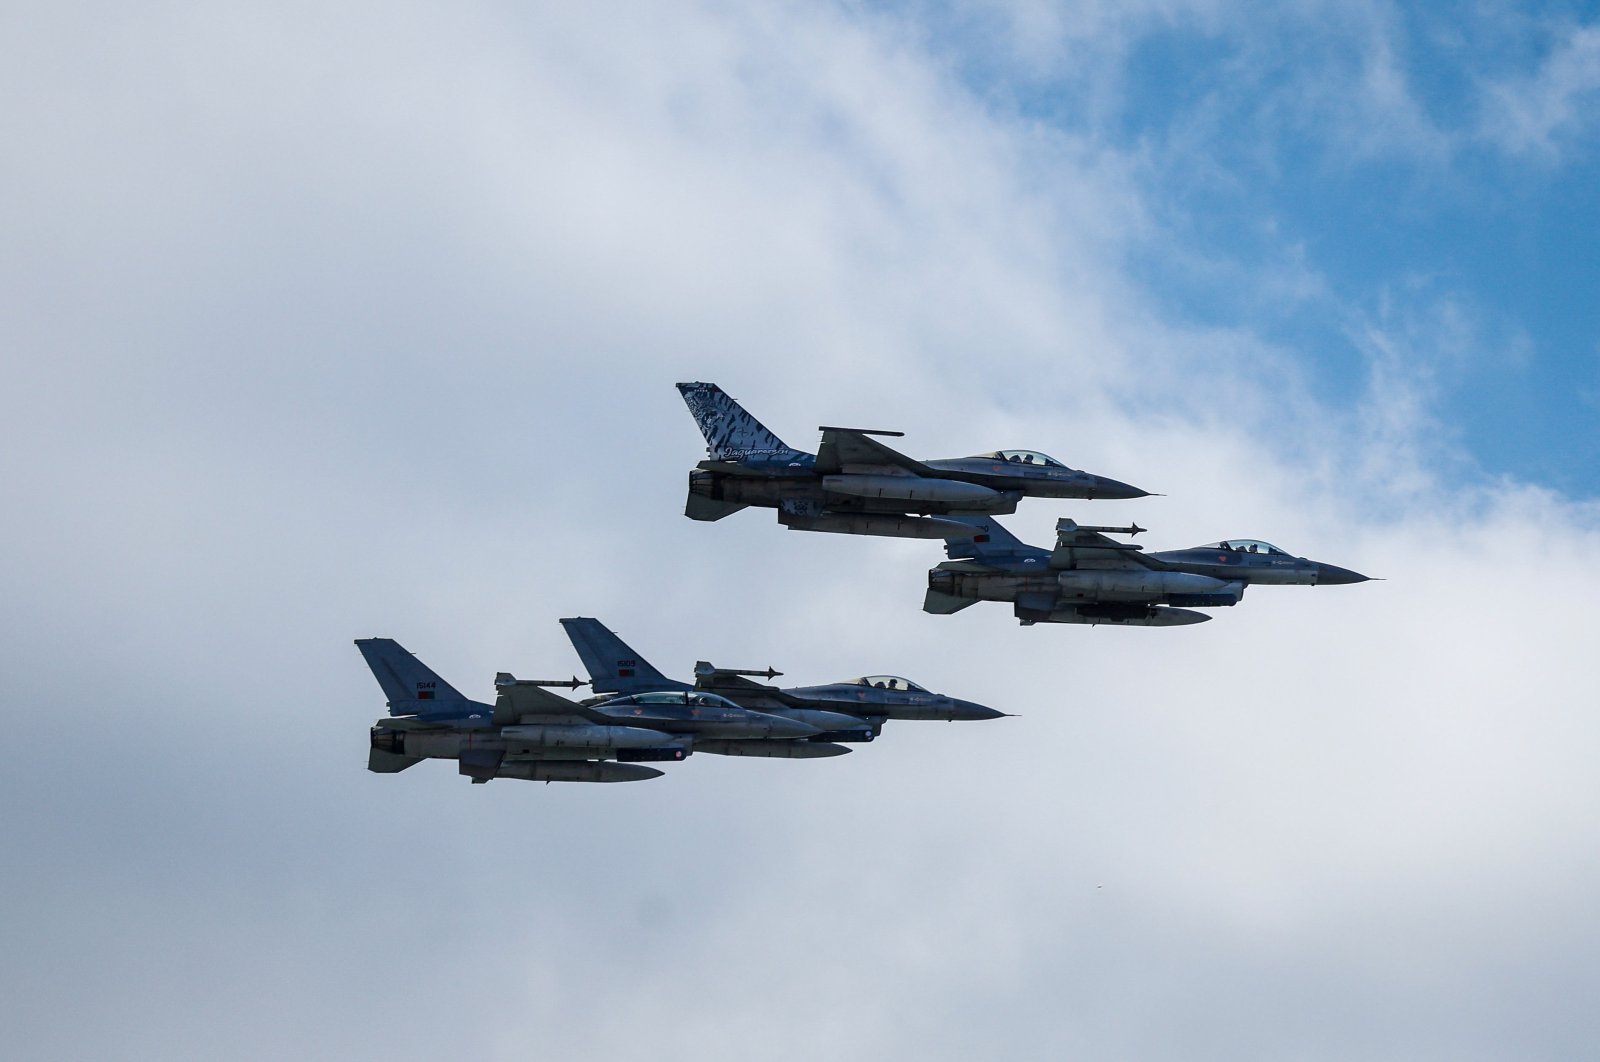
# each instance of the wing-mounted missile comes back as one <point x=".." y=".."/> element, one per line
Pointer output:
<point x="866" y="431"/>
<point x="518" y="700"/>
<point x="1066" y="526"/>
<point x="740" y="685"/>
<point x="703" y="667"/>
<point x="1082" y="546"/>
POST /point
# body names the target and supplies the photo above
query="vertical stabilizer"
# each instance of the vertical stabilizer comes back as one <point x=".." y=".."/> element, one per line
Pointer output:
<point x="731" y="433"/>
<point x="410" y="685"/>
<point x="613" y="667"/>
<point x="990" y="543"/>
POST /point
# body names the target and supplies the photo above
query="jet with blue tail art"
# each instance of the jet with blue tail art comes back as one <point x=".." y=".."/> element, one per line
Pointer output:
<point x="856" y="485"/>
<point x="854" y="710"/>
<point x="534" y="734"/>
<point x="1090" y="578"/>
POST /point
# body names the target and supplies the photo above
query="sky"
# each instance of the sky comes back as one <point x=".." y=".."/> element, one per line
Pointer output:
<point x="324" y="322"/>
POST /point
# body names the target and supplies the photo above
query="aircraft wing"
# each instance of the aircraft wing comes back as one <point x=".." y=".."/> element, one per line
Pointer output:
<point x="855" y="450"/>
<point x="1087" y="548"/>
<point x="517" y="700"/>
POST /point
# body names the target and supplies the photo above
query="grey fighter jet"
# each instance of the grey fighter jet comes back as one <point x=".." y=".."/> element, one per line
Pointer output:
<point x="532" y="733"/>
<point x="1089" y="578"/>
<point x="856" y="485"/>
<point x="865" y="702"/>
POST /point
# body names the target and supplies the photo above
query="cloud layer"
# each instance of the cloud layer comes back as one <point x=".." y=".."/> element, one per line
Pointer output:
<point x="334" y="325"/>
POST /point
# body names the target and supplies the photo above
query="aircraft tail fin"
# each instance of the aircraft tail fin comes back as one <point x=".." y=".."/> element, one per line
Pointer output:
<point x="991" y="544"/>
<point x="731" y="433"/>
<point x="410" y="685"/>
<point x="614" y="667"/>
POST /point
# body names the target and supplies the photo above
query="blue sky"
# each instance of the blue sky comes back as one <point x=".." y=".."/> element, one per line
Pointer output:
<point x="1430" y="169"/>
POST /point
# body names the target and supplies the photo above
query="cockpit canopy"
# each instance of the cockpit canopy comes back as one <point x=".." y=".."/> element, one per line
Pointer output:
<point x="1023" y="457"/>
<point x="888" y="682"/>
<point x="693" y="699"/>
<point x="1246" y="545"/>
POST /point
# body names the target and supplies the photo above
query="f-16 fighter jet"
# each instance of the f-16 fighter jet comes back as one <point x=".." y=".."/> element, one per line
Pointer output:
<point x="856" y="485"/>
<point x="532" y="733"/>
<point x="848" y="711"/>
<point x="1089" y="578"/>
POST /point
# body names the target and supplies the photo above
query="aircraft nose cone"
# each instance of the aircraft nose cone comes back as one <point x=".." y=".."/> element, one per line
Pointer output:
<point x="1332" y="575"/>
<point x="1112" y="490"/>
<point x="971" y="711"/>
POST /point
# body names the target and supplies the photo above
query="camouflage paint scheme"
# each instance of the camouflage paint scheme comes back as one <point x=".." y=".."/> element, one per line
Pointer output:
<point x="534" y="734"/>
<point x="865" y="702"/>
<point x="1090" y="578"/>
<point x="857" y="485"/>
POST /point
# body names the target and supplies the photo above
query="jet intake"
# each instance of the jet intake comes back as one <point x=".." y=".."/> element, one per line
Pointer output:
<point x="1203" y="600"/>
<point x="822" y="720"/>
<point x="671" y="754"/>
<point x="952" y="492"/>
<point x="845" y="735"/>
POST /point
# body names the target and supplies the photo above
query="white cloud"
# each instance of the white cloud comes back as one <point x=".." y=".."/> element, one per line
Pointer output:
<point x="352" y="324"/>
<point x="1540" y="112"/>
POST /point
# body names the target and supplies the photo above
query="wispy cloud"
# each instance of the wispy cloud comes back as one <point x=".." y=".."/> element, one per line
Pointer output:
<point x="1541" y="111"/>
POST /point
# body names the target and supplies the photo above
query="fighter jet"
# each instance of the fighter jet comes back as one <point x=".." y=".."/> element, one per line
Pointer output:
<point x="1089" y="578"/>
<point x="865" y="702"/>
<point x="858" y="486"/>
<point x="532" y="733"/>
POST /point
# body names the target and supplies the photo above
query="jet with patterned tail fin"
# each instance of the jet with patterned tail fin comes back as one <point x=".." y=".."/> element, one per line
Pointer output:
<point x="856" y="485"/>
<point x="534" y="734"/>
<point x="1090" y="578"/>
<point x="864" y="703"/>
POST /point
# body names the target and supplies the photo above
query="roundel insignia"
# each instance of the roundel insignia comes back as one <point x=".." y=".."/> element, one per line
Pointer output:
<point x="1223" y="557"/>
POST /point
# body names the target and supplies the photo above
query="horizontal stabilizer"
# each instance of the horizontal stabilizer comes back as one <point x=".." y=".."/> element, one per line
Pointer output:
<point x="701" y="508"/>
<point x="381" y="762"/>
<point x="940" y="603"/>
